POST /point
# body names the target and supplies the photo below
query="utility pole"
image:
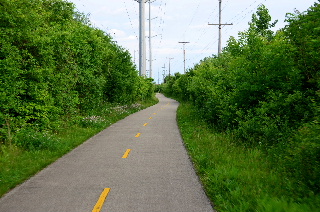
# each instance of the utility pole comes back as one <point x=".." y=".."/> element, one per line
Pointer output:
<point x="150" y="52"/>
<point x="164" y="71"/>
<point x="184" y="55"/>
<point x="150" y="48"/>
<point x="142" y="42"/>
<point x="220" y="24"/>
<point x="169" y="65"/>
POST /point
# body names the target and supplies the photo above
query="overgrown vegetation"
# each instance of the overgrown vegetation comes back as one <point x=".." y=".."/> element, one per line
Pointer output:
<point x="58" y="71"/>
<point x="236" y="178"/>
<point x="55" y="66"/>
<point x="263" y="92"/>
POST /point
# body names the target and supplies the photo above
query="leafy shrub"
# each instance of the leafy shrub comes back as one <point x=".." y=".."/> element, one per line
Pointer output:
<point x="31" y="139"/>
<point x="264" y="90"/>
<point x="55" y="65"/>
<point x="302" y="157"/>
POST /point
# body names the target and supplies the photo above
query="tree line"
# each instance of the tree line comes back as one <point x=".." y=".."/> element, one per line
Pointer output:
<point x="55" y="65"/>
<point x="264" y="90"/>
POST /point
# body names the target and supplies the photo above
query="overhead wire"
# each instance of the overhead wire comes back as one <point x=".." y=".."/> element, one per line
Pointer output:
<point x="244" y="14"/>
<point x="249" y="10"/>
<point x="200" y="35"/>
<point x="201" y="38"/>
<point x="130" y="20"/>
<point x="158" y="28"/>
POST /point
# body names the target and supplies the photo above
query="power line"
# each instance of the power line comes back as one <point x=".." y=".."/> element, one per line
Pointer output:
<point x="128" y="14"/>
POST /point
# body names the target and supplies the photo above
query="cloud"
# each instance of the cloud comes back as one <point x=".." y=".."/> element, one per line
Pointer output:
<point x="132" y="37"/>
<point x="116" y="33"/>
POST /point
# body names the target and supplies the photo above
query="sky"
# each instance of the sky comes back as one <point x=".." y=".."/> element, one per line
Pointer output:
<point x="177" y="21"/>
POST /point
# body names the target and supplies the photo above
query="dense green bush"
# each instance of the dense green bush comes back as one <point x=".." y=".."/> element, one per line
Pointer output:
<point x="55" y="65"/>
<point x="32" y="139"/>
<point x="264" y="90"/>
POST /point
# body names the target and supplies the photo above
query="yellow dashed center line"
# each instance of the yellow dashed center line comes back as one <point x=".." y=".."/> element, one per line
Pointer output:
<point x="154" y="113"/>
<point x="150" y="117"/>
<point x="145" y="124"/>
<point x="99" y="204"/>
<point x="125" y="155"/>
<point x="138" y="135"/>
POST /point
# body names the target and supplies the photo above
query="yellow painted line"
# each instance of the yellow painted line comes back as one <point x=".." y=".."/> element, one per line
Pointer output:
<point x="99" y="204"/>
<point x="154" y="113"/>
<point x="125" y="155"/>
<point x="145" y="124"/>
<point x="150" y="117"/>
<point x="138" y="135"/>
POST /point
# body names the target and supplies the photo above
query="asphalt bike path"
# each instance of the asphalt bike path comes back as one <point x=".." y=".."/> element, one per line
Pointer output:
<point x="137" y="164"/>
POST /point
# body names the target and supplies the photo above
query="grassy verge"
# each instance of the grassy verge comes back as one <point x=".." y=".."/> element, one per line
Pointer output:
<point x="18" y="164"/>
<point x="236" y="178"/>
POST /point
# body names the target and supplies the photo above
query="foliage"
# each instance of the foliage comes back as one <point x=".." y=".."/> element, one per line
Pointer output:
<point x="54" y="66"/>
<point x="237" y="178"/>
<point x="264" y="91"/>
<point x="303" y="33"/>
<point x="261" y="22"/>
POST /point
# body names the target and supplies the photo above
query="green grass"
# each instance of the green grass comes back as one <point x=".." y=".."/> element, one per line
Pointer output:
<point x="236" y="178"/>
<point x="18" y="164"/>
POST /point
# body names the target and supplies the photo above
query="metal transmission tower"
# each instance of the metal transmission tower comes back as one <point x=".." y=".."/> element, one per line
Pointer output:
<point x="219" y="44"/>
<point x="184" y="55"/>
<point x="150" y="49"/>
<point x="150" y="52"/>
<point x="142" y="41"/>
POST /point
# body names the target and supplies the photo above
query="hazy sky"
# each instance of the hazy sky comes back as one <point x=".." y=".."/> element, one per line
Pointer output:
<point x="180" y="20"/>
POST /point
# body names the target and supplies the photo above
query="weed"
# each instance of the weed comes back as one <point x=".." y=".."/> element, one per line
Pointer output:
<point x="237" y="178"/>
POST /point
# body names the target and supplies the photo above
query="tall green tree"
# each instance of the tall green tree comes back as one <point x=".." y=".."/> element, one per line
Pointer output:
<point x="55" y="65"/>
<point x="303" y="33"/>
<point x="261" y="22"/>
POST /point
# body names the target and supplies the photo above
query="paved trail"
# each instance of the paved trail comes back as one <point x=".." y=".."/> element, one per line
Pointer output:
<point x="140" y="158"/>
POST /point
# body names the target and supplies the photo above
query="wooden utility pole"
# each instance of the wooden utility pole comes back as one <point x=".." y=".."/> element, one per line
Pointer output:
<point x="220" y="24"/>
<point x="184" y="55"/>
